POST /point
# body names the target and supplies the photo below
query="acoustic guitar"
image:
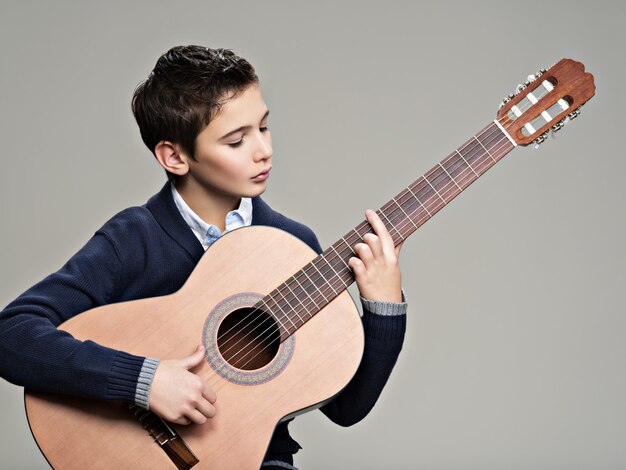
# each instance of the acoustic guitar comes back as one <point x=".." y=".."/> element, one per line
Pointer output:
<point x="282" y="335"/>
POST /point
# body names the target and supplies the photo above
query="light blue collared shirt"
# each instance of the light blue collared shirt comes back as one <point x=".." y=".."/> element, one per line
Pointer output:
<point x="208" y="233"/>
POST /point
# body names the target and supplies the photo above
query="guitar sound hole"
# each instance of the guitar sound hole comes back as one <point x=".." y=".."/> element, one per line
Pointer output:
<point x="248" y="339"/>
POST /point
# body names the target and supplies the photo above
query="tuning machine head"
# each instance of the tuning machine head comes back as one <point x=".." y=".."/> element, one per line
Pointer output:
<point x="506" y="99"/>
<point x="522" y="86"/>
<point x="574" y="114"/>
<point x="529" y="80"/>
<point x="540" y="140"/>
<point x="557" y="127"/>
<point x="545" y="102"/>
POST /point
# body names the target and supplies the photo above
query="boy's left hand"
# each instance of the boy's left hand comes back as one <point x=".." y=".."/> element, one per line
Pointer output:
<point x="376" y="269"/>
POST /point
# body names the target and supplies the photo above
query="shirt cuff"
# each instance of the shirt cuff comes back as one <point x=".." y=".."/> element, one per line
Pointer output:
<point x="144" y="382"/>
<point x="380" y="307"/>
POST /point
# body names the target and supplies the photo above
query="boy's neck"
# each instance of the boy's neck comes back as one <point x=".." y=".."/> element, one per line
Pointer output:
<point x="210" y="207"/>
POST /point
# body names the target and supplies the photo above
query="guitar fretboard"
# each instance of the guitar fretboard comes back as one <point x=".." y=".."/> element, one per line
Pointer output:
<point x="310" y="289"/>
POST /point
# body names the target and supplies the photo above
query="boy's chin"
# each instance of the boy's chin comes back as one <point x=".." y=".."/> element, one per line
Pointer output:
<point x="260" y="189"/>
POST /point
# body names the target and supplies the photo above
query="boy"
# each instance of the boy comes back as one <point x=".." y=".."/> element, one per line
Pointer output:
<point x="202" y="115"/>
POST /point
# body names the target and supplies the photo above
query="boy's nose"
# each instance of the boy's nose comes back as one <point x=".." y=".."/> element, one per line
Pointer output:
<point x="263" y="150"/>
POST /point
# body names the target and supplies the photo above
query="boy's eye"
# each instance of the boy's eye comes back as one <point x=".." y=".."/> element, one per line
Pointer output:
<point x="238" y="144"/>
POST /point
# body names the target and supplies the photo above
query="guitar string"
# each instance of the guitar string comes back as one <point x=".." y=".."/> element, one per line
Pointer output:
<point x="392" y="227"/>
<point x="338" y="275"/>
<point x="253" y="348"/>
<point x="405" y="225"/>
<point x="407" y="193"/>
<point x="264" y="348"/>
<point x="522" y="109"/>
<point x="345" y="268"/>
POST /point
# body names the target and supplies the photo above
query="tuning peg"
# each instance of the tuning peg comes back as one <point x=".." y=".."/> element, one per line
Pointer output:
<point x="556" y="128"/>
<point x="540" y="140"/>
<point x="521" y="86"/>
<point x="506" y="100"/>
<point x="574" y="114"/>
<point x="559" y="125"/>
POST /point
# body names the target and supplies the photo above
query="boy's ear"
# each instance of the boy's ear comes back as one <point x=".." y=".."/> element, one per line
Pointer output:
<point x="171" y="158"/>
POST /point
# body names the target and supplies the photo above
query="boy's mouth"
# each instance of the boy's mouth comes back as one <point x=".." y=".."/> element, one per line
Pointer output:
<point x="264" y="174"/>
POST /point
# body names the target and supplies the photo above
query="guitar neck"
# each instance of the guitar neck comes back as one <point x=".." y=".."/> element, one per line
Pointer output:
<point x="309" y="290"/>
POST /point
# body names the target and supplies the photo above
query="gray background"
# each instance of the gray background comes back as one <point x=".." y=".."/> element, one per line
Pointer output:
<point x="514" y="355"/>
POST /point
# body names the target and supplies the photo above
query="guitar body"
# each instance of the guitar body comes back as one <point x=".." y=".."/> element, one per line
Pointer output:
<point x="307" y="368"/>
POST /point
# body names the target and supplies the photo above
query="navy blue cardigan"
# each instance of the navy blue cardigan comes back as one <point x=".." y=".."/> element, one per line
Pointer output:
<point x="141" y="252"/>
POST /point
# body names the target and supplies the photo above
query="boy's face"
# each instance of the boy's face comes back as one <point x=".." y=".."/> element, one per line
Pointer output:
<point x="234" y="148"/>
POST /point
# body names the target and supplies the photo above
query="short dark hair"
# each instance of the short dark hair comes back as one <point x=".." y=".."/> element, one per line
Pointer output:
<point x="184" y="92"/>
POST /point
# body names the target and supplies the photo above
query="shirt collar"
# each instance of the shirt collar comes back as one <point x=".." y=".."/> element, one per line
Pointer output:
<point x="240" y="217"/>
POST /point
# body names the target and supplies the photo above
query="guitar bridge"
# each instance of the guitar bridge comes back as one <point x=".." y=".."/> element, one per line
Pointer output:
<point x="167" y="438"/>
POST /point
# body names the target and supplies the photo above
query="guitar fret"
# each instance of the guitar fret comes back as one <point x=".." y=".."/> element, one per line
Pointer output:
<point x="342" y="260"/>
<point x="453" y="180"/>
<point x="439" y="181"/>
<point x="348" y="245"/>
<point x="328" y="276"/>
<point x="294" y="294"/>
<point x="429" y="198"/>
<point x="444" y="201"/>
<point x="407" y="215"/>
<point x="413" y="207"/>
<point x="477" y="157"/>
<point x="466" y="162"/>
<point x="290" y="306"/>
<point x="337" y="265"/>
<point x="306" y="292"/>
<point x="351" y="251"/>
<point x="392" y="225"/>
<point x="420" y="202"/>
<point x="340" y="251"/>
<point x="458" y="168"/>
<point x="494" y="160"/>
<point x="312" y="279"/>
<point x="313" y="283"/>
<point x="327" y="283"/>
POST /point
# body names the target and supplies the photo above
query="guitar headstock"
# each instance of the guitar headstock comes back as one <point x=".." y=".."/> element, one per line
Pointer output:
<point x="546" y="101"/>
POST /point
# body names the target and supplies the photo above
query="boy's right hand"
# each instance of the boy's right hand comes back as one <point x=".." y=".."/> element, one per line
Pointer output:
<point x="180" y="396"/>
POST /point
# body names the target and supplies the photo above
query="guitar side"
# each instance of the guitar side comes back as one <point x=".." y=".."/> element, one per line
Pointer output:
<point x="325" y="353"/>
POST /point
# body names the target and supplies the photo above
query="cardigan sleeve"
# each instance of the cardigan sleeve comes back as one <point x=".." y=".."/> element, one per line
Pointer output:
<point x="37" y="355"/>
